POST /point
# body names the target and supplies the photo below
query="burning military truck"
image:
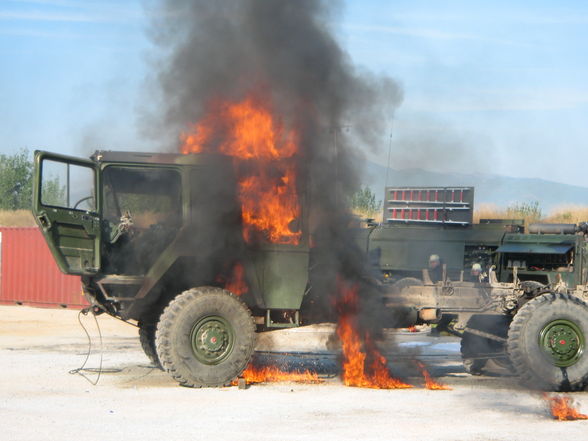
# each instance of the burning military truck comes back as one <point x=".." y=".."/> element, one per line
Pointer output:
<point x="155" y="243"/>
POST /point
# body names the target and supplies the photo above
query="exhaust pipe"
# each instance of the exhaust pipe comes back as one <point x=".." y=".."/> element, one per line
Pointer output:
<point x="557" y="228"/>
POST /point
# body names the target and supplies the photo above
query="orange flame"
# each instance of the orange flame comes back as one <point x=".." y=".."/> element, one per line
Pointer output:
<point x="429" y="382"/>
<point x="563" y="409"/>
<point x="236" y="283"/>
<point x="254" y="375"/>
<point x="268" y="194"/>
<point x="412" y="328"/>
<point x="377" y="376"/>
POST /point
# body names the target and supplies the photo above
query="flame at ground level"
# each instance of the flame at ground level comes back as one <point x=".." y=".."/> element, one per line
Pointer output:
<point x="355" y="357"/>
<point x="562" y="408"/>
<point x="429" y="382"/>
<point x="354" y="364"/>
<point x="267" y="374"/>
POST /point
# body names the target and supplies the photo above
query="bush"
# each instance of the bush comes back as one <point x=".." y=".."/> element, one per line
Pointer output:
<point x="529" y="211"/>
<point x="16" y="177"/>
<point x="363" y="203"/>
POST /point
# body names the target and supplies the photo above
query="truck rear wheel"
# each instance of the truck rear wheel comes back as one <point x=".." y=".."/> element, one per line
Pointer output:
<point x="147" y="339"/>
<point x="547" y="342"/>
<point x="205" y="337"/>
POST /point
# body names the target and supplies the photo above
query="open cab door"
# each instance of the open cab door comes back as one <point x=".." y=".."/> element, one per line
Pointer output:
<point x="66" y="209"/>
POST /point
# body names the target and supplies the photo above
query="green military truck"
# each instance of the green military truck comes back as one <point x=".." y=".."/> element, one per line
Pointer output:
<point x="153" y="238"/>
<point x="154" y="241"/>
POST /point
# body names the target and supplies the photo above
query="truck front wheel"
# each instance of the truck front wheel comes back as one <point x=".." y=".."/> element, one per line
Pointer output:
<point x="205" y="337"/>
<point x="547" y="342"/>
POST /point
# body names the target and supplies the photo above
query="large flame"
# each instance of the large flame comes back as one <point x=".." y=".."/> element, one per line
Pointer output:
<point x="357" y="370"/>
<point x="253" y="375"/>
<point x="563" y="409"/>
<point x="247" y="130"/>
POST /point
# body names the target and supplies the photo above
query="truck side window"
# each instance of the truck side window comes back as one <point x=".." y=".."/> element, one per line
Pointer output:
<point x="149" y="202"/>
<point x="67" y="185"/>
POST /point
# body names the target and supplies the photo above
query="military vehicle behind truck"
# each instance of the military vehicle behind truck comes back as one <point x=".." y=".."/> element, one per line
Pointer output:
<point x="527" y="310"/>
<point x="420" y="221"/>
<point x="157" y="245"/>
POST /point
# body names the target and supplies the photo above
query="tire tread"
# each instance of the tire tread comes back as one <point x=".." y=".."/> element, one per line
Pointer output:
<point x="164" y="339"/>
<point x="516" y="349"/>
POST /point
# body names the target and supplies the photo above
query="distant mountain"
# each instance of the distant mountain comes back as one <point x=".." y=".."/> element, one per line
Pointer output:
<point x="494" y="189"/>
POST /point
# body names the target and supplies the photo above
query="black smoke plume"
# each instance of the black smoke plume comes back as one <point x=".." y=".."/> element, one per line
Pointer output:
<point x="225" y="49"/>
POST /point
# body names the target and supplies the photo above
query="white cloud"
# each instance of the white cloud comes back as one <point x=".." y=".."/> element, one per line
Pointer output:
<point x="37" y="33"/>
<point x="500" y="100"/>
<point x="74" y="12"/>
<point x="47" y="16"/>
<point x="431" y="34"/>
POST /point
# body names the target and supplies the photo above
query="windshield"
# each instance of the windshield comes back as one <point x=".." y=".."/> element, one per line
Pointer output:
<point x="150" y="195"/>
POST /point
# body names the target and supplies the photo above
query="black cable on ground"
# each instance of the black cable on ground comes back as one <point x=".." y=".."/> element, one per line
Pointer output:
<point x="83" y="368"/>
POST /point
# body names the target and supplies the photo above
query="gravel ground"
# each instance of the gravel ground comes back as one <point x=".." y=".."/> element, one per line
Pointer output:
<point x="40" y="400"/>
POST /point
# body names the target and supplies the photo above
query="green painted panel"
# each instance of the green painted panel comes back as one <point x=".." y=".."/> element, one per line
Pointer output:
<point x="279" y="273"/>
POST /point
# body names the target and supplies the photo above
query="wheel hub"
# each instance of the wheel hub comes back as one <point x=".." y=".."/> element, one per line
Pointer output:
<point x="563" y="341"/>
<point x="212" y="339"/>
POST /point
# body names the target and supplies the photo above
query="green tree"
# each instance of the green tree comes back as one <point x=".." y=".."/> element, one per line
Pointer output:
<point x="364" y="203"/>
<point x="53" y="192"/>
<point x="16" y="177"/>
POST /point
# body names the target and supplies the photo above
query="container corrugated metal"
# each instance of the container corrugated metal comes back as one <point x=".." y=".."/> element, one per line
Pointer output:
<point x="30" y="276"/>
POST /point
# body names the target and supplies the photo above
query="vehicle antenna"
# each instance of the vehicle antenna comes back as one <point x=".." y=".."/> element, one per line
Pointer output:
<point x="389" y="155"/>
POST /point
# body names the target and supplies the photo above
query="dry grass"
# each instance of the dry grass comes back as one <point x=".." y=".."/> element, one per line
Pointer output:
<point x="489" y="211"/>
<point x="377" y="216"/>
<point x="16" y="218"/>
<point x="568" y="214"/>
<point x="571" y="214"/>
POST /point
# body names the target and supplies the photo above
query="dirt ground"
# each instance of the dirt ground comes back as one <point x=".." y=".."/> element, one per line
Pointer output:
<point x="41" y="400"/>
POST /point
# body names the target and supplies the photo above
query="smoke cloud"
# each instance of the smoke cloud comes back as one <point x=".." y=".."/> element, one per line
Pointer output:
<point x="286" y="50"/>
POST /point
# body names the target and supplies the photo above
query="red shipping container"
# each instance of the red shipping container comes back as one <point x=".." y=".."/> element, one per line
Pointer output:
<point x="30" y="276"/>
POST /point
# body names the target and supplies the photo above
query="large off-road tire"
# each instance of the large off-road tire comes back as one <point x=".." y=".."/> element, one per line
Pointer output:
<point x="147" y="339"/>
<point x="205" y="337"/>
<point x="547" y="342"/>
<point x="477" y="350"/>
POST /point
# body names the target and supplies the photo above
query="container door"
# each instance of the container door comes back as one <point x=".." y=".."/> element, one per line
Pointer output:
<point x="66" y="209"/>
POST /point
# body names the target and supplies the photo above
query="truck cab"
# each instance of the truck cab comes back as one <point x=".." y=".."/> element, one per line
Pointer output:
<point x="150" y="233"/>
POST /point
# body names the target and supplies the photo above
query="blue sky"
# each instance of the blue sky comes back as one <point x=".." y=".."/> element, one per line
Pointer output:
<point x="497" y="87"/>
